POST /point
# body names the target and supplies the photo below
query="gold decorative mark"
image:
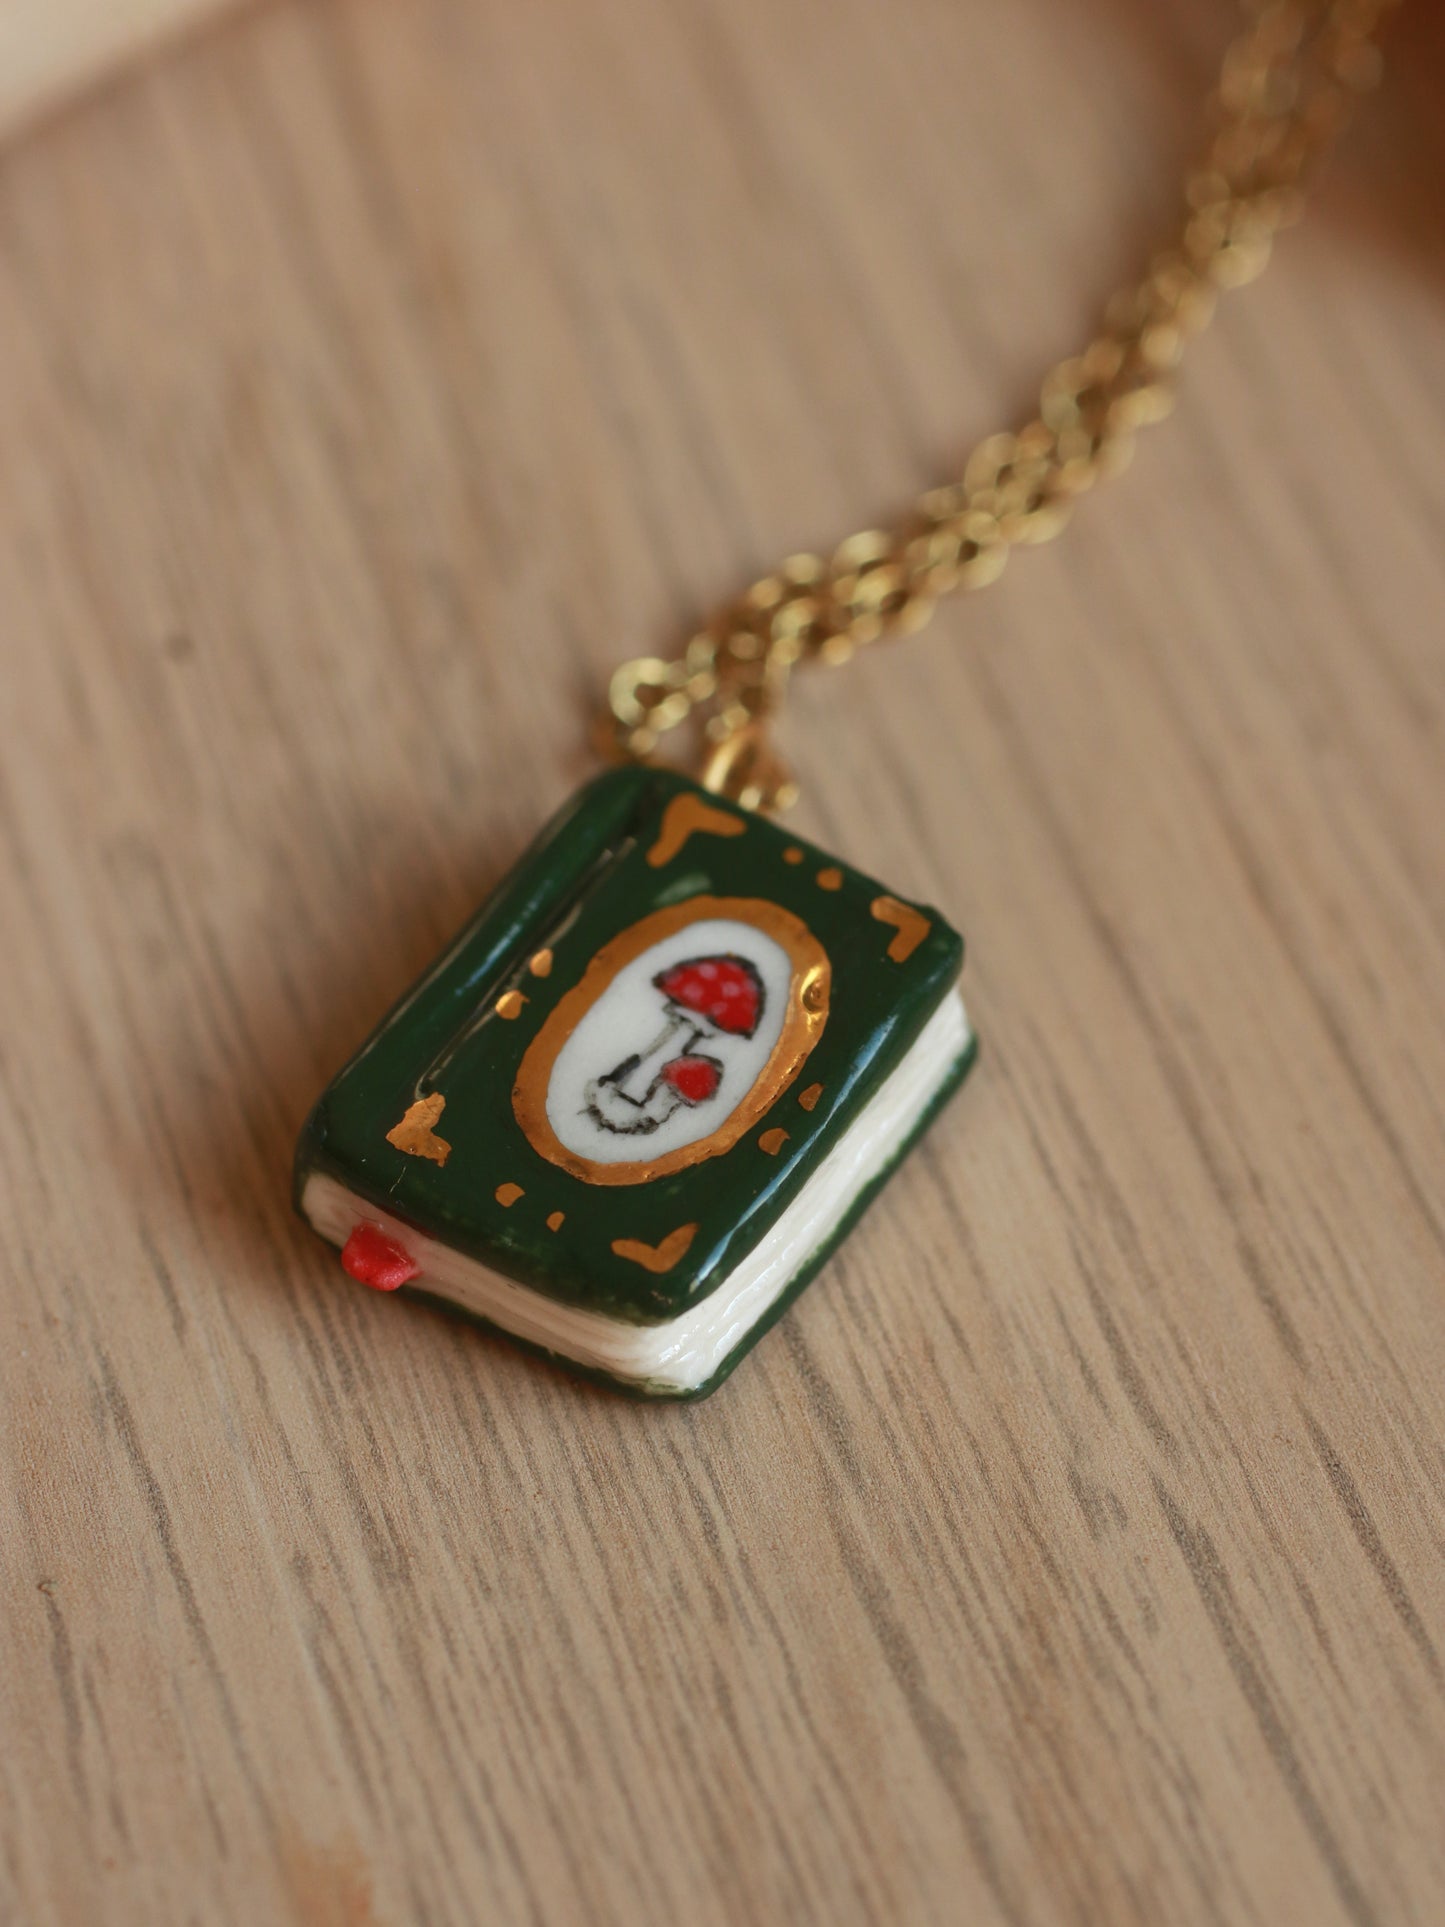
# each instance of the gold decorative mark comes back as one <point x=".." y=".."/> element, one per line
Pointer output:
<point x="804" y="1018"/>
<point x="910" y="926"/>
<point x="830" y="879"/>
<point x="660" y="1257"/>
<point x="508" y="1194"/>
<point x="687" y="816"/>
<point x="510" y="1003"/>
<point x="555" y="1220"/>
<point x="809" y="1097"/>
<point x="773" y="1141"/>
<point x="415" y="1134"/>
<point x="540" y="963"/>
<point x="792" y="854"/>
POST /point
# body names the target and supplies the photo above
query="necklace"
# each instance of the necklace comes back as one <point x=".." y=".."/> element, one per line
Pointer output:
<point x="630" y="1111"/>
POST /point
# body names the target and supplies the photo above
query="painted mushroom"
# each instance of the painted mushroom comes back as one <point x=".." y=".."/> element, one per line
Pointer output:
<point x="705" y="999"/>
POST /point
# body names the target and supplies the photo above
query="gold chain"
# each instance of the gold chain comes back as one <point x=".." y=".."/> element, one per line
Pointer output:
<point x="1284" y="93"/>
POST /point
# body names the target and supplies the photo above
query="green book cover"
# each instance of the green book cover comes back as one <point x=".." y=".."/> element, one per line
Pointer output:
<point x="629" y="1110"/>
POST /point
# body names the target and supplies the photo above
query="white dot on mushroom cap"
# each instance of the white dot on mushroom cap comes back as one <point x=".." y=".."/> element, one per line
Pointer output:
<point x="707" y="970"/>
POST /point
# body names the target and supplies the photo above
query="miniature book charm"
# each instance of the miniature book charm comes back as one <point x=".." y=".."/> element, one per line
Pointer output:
<point x="631" y="1110"/>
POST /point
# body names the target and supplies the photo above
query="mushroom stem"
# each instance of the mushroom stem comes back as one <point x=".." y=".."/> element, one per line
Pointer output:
<point x="635" y="1076"/>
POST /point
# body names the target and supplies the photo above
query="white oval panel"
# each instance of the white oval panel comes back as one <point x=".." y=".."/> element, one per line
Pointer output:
<point x="626" y="1084"/>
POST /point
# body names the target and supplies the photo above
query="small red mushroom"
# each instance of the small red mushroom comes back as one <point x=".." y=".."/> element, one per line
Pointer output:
<point x="693" y="1078"/>
<point x="727" y="991"/>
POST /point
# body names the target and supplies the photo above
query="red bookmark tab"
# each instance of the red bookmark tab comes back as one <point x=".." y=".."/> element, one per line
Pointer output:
<point x="377" y="1260"/>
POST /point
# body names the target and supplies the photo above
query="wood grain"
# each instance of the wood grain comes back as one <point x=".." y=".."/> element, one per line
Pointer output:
<point x="372" y="378"/>
<point x="52" y="49"/>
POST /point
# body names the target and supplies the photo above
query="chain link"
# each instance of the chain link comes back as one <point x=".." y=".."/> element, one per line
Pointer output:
<point x="1285" y="91"/>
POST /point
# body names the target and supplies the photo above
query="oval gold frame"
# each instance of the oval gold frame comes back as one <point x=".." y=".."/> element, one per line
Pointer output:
<point x="803" y="1023"/>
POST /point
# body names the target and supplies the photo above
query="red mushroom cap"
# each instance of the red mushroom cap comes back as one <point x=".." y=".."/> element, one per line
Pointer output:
<point x="727" y="991"/>
<point x="695" y="1079"/>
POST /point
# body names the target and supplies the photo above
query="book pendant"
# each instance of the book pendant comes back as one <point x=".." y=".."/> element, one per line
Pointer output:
<point x="629" y="1112"/>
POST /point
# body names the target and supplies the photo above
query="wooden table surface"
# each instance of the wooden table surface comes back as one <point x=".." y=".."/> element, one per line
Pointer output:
<point x="371" y="378"/>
